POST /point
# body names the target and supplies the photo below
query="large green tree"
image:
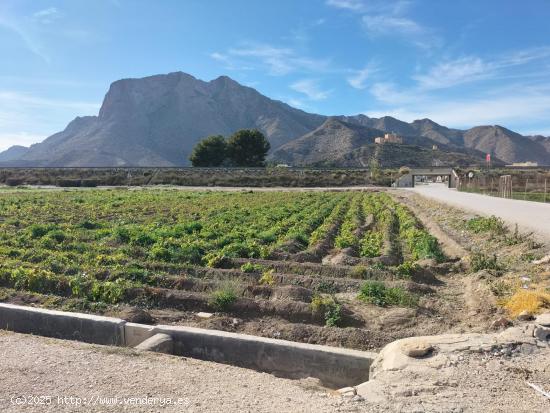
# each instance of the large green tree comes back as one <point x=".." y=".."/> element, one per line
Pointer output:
<point x="211" y="151"/>
<point x="247" y="147"/>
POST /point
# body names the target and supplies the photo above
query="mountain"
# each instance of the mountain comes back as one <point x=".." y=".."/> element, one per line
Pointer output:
<point x="332" y="140"/>
<point x="339" y="142"/>
<point x="500" y="142"/>
<point x="12" y="153"/>
<point x="156" y="121"/>
<point x="507" y="145"/>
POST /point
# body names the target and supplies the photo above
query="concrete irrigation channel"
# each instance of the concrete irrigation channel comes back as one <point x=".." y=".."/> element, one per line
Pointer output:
<point x="334" y="367"/>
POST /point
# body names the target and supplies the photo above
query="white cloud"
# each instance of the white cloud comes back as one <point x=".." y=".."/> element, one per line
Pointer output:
<point x="278" y="61"/>
<point x="310" y="88"/>
<point x="354" y="5"/>
<point x="47" y="16"/>
<point x="26" y="118"/>
<point x="389" y="18"/>
<point x="360" y="77"/>
<point x="506" y="107"/>
<point x="451" y="73"/>
<point x="404" y="27"/>
<point x="30" y="42"/>
<point x="383" y="24"/>
<point x="16" y="98"/>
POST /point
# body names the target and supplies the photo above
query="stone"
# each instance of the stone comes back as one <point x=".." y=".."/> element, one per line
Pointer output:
<point x="416" y="348"/>
<point x="500" y="323"/>
<point x="527" y="349"/>
<point x="542" y="333"/>
<point x="543" y="260"/>
<point x="347" y="391"/>
<point x="159" y="343"/>
<point x="204" y="315"/>
<point x="543" y="319"/>
<point x="525" y="316"/>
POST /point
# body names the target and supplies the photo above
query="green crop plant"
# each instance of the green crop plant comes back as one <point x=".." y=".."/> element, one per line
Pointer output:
<point x="491" y="224"/>
<point x="376" y="292"/>
<point x="329" y="308"/>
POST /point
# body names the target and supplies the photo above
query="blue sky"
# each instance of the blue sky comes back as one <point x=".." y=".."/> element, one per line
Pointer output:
<point x="461" y="63"/>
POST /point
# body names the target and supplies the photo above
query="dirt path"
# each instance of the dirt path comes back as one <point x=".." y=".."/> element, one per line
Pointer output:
<point x="530" y="216"/>
<point x="49" y="375"/>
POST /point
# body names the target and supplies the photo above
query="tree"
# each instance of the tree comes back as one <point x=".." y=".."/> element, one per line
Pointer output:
<point x="247" y="147"/>
<point x="211" y="151"/>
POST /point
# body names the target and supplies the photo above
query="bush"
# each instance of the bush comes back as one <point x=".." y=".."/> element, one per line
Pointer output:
<point x="214" y="260"/>
<point x="480" y="261"/>
<point x="359" y="271"/>
<point x="483" y="224"/>
<point x="69" y="183"/>
<point x="331" y="310"/>
<point x="407" y="269"/>
<point x="39" y="230"/>
<point x="249" y="267"/>
<point x="371" y="244"/>
<point x="267" y="278"/>
<point x="376" y="292"/>
<point x="222" y="299"/>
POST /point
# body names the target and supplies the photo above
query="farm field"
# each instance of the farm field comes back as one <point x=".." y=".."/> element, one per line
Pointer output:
<point x="351" y="268"/>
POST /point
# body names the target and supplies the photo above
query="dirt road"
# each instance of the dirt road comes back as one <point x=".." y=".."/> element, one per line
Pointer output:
<point x="530" y="216"/>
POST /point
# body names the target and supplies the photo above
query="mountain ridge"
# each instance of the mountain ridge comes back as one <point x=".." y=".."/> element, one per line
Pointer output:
<point x="156" y="120"/>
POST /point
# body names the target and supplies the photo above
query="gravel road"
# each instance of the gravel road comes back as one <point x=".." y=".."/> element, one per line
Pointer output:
<point x="530" y="216"/>
<point x="39" y="374"/>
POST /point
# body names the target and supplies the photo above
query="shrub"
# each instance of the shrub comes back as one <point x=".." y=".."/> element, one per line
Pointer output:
<point x="480" y="261"/>
<point x="222" y="299"/>
<point x="407" y="269"/>
<point x="376" y="292"/>
<point x="371" y="244"/>
<point x="88" y="224"/>
<point x="68" y="183"/>
<point x="39" y="230"/>
<point x="267" y="278"/>
<point x="250" y="267"/>
<point x="527" y="300"/>
<point x="359" y="271"/>
<point x="331" y="310"/>
<point x="487" y="224"/>
<point x="214" y="260"/>
<point x="326" y="287"/>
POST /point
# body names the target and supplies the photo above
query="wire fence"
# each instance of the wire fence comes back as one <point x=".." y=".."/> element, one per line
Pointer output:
<point x="532" y="186"/>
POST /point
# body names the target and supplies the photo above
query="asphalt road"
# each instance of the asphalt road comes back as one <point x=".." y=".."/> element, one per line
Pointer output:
<point x="530" y="216"/>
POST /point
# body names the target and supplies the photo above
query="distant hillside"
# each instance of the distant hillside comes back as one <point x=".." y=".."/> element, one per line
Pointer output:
<point x="340" y="143"/>
<point x="156" y="121"/>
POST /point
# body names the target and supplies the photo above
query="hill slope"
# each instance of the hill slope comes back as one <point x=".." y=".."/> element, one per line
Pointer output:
<point x="340" y="143"/>
<point x="156" y="121"/>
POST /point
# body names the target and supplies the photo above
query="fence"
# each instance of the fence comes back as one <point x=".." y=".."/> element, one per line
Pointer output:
<point x="532" y="186"/>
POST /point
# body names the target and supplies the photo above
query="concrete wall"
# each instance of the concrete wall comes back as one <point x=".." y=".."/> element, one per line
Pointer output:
<point x="59" y="324"/>
<point x="335" y="367"/>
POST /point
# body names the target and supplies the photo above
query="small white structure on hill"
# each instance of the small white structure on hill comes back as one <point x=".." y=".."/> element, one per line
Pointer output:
<point x="388" y="138"/>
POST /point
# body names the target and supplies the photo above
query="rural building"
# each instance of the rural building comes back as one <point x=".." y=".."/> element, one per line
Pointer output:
<point x="389" y="138"/>
<point x="413" y="176"/>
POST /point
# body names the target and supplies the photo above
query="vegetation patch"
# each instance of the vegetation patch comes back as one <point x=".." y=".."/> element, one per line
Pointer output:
<point x="329" y="308"/>
<point x="376" y="292"/>
<point x="531" y="301"/>
<point x="491" y="224"/>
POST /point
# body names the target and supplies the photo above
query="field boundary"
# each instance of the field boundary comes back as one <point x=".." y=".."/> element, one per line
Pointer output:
<point x="334" y="367"/>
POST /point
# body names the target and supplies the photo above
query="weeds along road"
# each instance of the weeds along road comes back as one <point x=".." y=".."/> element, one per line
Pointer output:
<point x="530" y="216"/>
